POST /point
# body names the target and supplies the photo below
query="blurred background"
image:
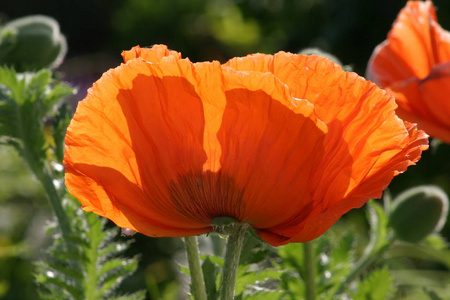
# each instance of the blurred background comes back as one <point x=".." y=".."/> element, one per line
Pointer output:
<point x="98" y="30"/>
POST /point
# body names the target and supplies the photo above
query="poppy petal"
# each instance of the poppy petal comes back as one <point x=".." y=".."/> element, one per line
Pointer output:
<point x="287" y="143"/>
<point x="149" y="166"/>
<point x="276" y="144"/>
<point x="436" y="88"/>
<point x="418" y="99"/>
<point x="363" y="132"/>
<point x="114" y="128"/>
<point x="153" y="54"/>
<point x="261" y="144"/>
<point x="409" y="51"/>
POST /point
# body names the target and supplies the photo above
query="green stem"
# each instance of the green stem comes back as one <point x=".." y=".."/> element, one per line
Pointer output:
<point x="198" y="283"/>
<point x="310" y="270"/>
<point x="232" y="255"/>
<point x="55" y="200"/>
<point x="366" y="260"/>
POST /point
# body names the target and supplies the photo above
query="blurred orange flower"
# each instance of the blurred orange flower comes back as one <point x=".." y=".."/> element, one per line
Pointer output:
<point x="287" y="143"/>
<point x="413" y="64"/>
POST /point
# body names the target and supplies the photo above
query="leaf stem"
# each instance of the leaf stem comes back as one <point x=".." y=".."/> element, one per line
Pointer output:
<point x="366" y="260"/>
<point x="232" y="255"/>
<point x="55" y="200"/>
<point x="198" y="283"/>
<point x="310" y="271"/>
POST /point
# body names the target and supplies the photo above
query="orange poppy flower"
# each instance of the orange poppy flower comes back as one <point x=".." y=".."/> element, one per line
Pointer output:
<point x="413" y="64"/>
<point x="287" y="143"/>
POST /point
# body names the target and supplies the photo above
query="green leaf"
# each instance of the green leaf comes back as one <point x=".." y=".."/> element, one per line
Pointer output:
<point x="422" y="278"/>
<point x="253" y="250"/>
<point x="26" y="101"/>
<point x="255" y="278"/>
<point x="378" y="226"/>
<point x="421" y="251"/>
<point x="378" y="285"/>
<point x="292" y="256"/>
<point x="264" y="294"/>
<point x="84" y="266"/>
<point x="432" y="294"/>
<point x="210" y="273"/>
<point x="60" y="122"/>
<point x="335" y="261"/>
<point x="215" y="259"/>
<point x="184" y="270"/>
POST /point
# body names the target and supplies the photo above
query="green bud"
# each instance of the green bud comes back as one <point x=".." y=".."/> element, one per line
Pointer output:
<point x="417" y="212"/>
<point x="32" y="43"/>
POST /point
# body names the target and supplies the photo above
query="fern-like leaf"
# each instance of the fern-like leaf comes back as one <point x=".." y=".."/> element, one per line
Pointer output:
<point x="86" y="266"/>
<point x="26" y="100"/>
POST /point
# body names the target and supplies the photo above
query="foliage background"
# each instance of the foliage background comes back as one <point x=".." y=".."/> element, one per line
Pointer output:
<point x="98" y="30"/>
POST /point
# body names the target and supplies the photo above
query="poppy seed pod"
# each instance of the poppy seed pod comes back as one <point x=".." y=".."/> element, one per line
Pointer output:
<point x="32" y="43"/>
<point x="419" y="211"/>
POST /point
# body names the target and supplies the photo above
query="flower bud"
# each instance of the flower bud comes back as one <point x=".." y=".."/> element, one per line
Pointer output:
<point x="32" y="43"/>
<point x="417" y="212"/>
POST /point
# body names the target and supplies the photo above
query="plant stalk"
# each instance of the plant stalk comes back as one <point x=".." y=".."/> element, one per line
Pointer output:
<point x="55" y="200"/>
<point x="232" y="255"/>
<point x="310" y="271"/>
<point x="198" y="282"/>
<point x="365" y="261"/>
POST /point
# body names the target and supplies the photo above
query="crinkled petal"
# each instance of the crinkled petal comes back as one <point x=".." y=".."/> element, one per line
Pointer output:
<point x="412" y="46"/>
<point x="425" y="102"/>
<point x="139" y="127"/>
<point x="287" y="143"/>
<point x="271" y="144"/>
<point x="165" y="147"/>
<point x="413" y="65"/>
<point x="364" y="135"/>
<point x="153" y="54"/>
<point x="262" y="146"/>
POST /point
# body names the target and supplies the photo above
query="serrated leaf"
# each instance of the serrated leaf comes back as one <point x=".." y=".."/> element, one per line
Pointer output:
<point x="26" y="100"/>
<point x="253" y="250"/>
<point x="378" y="285"/>
<point x="114" y="278"/>
<point x="254" y="278"/>
<point x="57" y="93"/>
<point x="81" y="266"/>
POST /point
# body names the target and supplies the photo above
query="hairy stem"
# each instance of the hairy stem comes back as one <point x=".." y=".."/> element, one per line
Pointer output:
<point x="55" y="200"/>
<point x="232" y="255"/>
<point x="198" y="283"/>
